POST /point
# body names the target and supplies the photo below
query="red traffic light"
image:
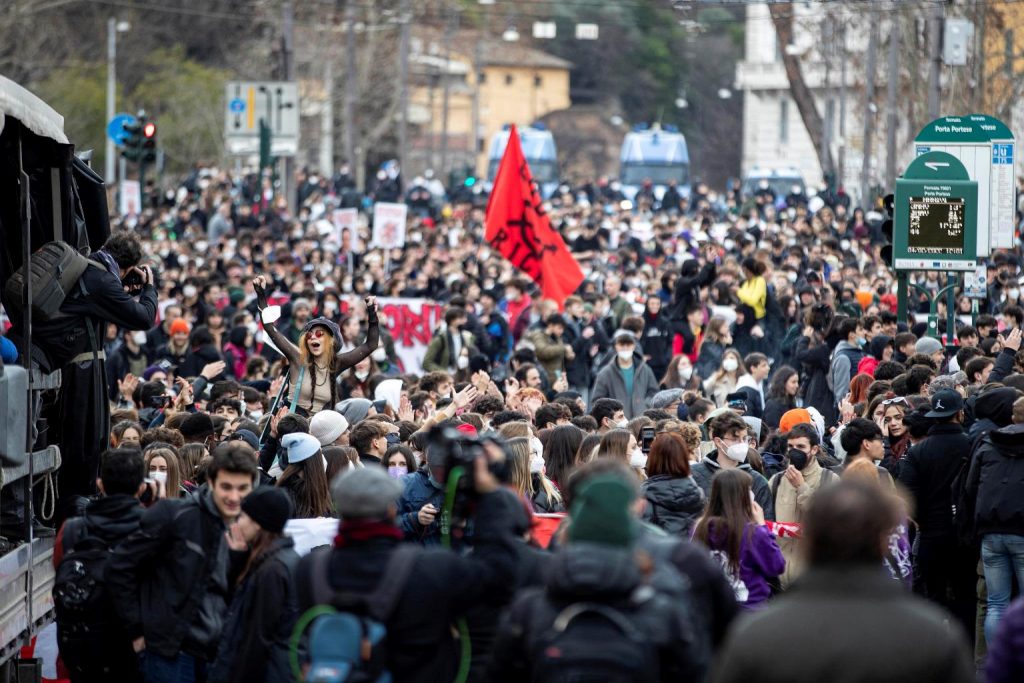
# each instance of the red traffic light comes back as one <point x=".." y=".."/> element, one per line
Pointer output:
<point x="149" y="130"/>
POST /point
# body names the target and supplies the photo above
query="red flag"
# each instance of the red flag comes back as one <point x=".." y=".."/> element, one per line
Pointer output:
<point x="520" y="230"/>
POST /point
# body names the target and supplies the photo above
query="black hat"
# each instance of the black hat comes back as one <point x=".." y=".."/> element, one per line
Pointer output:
<point x="246" y="436"/>
<point x="196" y="425"/>
<point x="324" y="322"/>
<point x="268" y="506"/>
<point x="946" y="403"/>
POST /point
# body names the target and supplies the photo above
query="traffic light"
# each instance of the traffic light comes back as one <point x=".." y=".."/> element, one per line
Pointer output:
<point x="133" y="143"/>
<point x="148" y="154"/>
<point x="886" y="251"/>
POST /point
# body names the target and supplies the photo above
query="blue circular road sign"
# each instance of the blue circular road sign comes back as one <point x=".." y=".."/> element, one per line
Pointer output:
<point x="115" y="129"/>
<point x="236" y="106"/>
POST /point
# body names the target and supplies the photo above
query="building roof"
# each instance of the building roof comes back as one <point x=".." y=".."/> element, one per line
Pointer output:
<point x="501" y="53"/>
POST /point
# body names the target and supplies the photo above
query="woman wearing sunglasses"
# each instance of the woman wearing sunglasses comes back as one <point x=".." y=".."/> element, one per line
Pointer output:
<point x="316" y="362"/>
<point x="896" y="436"/>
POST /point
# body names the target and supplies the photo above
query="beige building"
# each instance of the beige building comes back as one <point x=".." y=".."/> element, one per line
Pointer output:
<point x="515" y="83"/>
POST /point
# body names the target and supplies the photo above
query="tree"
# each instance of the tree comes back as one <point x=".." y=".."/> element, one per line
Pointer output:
<point x="78" y="93"/>
<point x="782" y="18"/>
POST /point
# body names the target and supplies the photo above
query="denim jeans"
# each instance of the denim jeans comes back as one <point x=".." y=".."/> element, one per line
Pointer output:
<point x="1003" y="556"/>
<point x="181" y="669"/>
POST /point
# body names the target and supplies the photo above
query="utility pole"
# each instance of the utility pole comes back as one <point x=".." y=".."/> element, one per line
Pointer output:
<point x="841" y="175"/>
<point x="351" y="86"/>
<point x="288" y="64"/>
<point x="327" y="118"/>
<point x="449" y="36"/>
<point x="935" y="59"/>
<point x="403" y="79"/>
<point x="890" y="99"/>
<point x="109" y="153"/>
<point x="869" y="110"/>
<point x="827" y="48"/>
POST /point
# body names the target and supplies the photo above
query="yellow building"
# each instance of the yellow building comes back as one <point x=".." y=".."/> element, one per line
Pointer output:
<point x="515" y="83"/>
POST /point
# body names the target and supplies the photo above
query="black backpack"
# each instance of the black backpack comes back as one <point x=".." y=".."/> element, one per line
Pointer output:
<point x="86" y="623"/>
<point x="54" y="270"/>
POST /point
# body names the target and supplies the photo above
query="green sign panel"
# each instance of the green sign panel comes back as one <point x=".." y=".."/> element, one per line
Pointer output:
<point x="985" y="146"/>
<point x="935" y="226"/>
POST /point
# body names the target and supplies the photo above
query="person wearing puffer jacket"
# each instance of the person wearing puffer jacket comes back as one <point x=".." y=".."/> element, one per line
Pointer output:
<point x="674" y="501"/>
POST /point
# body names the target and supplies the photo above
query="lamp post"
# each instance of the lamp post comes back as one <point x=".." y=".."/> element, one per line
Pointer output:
<point x="113" y="28"/>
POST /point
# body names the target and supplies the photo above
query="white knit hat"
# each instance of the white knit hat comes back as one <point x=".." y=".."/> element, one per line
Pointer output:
<point x="327" y="426"/>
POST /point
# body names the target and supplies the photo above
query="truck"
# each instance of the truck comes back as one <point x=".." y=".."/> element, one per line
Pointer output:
<point x="780" y="181"/>
<point x="657" y="154"/>
<point x="539" y="151"/>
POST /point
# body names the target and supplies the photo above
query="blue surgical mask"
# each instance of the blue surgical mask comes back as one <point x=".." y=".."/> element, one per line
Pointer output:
<point x="397" y="471"/>
<point x="861" y="341"/>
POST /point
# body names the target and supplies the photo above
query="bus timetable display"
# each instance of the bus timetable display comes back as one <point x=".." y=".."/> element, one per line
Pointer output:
<point x="936" y="226"/>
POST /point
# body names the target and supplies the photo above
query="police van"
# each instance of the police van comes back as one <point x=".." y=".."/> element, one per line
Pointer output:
<point x="539" y="151"/>
<point x="657" y="154"/>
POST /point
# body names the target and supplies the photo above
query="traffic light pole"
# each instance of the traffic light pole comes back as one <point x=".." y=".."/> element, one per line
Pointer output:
<point x="903" y="297"/>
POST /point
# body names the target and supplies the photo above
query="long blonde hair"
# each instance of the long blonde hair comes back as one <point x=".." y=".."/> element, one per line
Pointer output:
<point x="519" y="465"/>
<point x="173" y="484"/>
<point x="306" y="358"/>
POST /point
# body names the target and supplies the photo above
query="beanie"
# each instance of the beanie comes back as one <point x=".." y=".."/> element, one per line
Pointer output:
<point x="327" y="426"/>
<point x="268" y="506"/>
<point x="792" y="418"/>
<point x="300" y="446"/>
<point x="391" y="391"/>
<point x="927" y="345"/>
<point x="601" y="513"/>
<point x="180" y="326"/>
<point x="365" y="493"/>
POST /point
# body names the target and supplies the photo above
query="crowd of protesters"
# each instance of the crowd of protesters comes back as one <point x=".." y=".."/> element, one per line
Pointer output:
<point x="723" y="457"/>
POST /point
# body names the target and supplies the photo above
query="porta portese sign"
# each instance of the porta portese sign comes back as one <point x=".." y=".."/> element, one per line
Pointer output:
<point x="936" y="221"/>
<point x="985" y="146"/>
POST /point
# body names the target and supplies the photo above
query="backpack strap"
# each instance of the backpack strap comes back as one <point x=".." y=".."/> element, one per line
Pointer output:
<point x="383" y="600"/>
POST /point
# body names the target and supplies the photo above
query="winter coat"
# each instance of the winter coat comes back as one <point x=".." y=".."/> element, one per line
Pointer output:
<point x="587" y="572"/>
<point x="254" y="646"/>
<point x="995" y="482"/>
<point x="815" y="363"/>
<point x="438" y="357"/>
<point x="550" y="352"/>
<point x="199" y="358"/>
<point x="673" y="503"/>
<point x="610" y="384"/>
<point x="120" y="363"/>
<point x="687" y="290"/>
<point x="928" y="470"/>
<point x="761" y="561"/>
<point x="159" y="576"/>
<point x="706" y="469"/>
<point x="774" y="409"/>
<point x="845" y="359"/>
<point x="790" y="505"/>
<point x="657" y="342"/>
<point x="419" y="490"/>
<point x="709" y="360"/>
<point x="898" y="636"/>
<point x="579" y="370"/>
<point x="442" y="586"/>
<point x="1005" y="662"/>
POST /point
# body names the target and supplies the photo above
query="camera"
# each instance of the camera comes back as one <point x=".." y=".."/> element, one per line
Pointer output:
<point x="133" y="279"/>
<point x="461" y="451"/>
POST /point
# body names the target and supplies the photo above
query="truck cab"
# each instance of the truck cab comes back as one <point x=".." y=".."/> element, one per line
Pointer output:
<point x="658" y="154"/>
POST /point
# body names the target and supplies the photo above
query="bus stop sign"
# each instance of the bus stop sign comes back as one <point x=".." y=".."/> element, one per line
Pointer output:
<point x="935" y="226"/>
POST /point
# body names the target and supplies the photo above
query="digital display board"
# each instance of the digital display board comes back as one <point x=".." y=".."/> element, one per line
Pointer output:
<point x="936" y="226"/>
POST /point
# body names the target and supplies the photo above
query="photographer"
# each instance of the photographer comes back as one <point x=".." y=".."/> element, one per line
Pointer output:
<point x="116" y="290"/>
<point x="419" y="646"/>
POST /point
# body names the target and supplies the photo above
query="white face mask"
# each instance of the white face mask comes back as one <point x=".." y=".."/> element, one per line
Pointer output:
<point x="462" y="363"/>
<point x="686" y="373"/>
<point x="625" y="355"/>
<point x="1014" y="294"/>
<point x="253" y="328"/>
<point x="379" y="354"/>
<point x="361" y="375"/>
<point x="737" y="452"/>
<point x="139" y="337"/>
<point x="622" y="424"/>
<point x="159" y="476"/>
<point x="637" y="458"/>
<point x="730" y="365"/>
<point x="536" y="459"/>
<point x="189" y="291"/>
<point x="256" y="415"/>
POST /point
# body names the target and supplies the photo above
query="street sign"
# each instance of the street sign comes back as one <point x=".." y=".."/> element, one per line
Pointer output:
<point x="985" y="146"/>
<point x="115" y="128"/>
<point x="936" y="212"/>
<point x="247" y="103"/>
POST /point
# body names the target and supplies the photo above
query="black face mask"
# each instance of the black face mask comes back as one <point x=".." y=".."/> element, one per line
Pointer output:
<point x="797" y="459"/>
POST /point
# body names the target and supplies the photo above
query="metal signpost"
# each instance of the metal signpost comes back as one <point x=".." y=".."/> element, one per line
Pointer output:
<point x="261" y="110"/>
<point x="935" y="227"/>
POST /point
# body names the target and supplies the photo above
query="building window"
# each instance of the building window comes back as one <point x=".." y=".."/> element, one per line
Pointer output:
<point x="537" y="81"/>
<point x="509" y="79"/>
<point x="784" y="120"/>
<point x="481" y="78"/>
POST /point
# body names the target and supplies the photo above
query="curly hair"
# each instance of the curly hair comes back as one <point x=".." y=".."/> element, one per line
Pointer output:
<point x="125" y="247"/>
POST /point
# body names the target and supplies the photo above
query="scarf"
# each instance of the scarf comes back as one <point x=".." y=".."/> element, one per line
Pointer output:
<point x="358" y="531"/>
<point x="108" y="260"/>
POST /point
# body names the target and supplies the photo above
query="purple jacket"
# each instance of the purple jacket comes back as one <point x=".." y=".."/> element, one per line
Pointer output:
<point x="1005" y="662"/>
<point x="760" y="560"/>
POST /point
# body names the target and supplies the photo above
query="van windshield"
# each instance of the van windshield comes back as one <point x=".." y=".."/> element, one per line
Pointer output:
<point x="543" y="171"/>
<point x="636" y="174"/>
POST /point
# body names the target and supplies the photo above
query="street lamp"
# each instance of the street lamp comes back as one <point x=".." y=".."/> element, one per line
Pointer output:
<point x="113" y="28"/>
<point x="510" y="35"/>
